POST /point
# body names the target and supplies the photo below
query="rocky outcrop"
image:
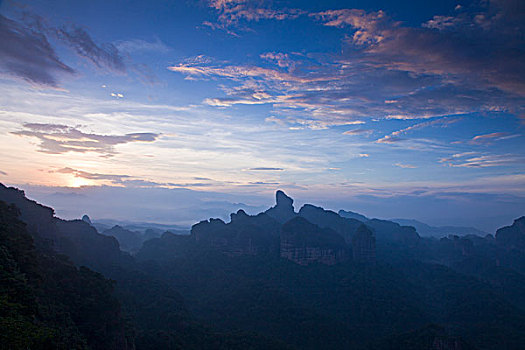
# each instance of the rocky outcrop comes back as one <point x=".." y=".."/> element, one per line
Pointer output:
<point x="74" y="238"/>
<point x="304" y="243"/>
<point x="283" y="210"/>
<point x="352" y="215"/>
<point x="129" y="241"/>
<point x="363" y="245"/>
<point x="388" y="231"/>
<point x="329" y="219"/>
<point x="243" y="235"/>
<point x="86" y="219"/>
<point x="512" y="237"/>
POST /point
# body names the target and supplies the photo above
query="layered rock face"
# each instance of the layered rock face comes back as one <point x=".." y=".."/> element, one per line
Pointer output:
<point x="512" y="237"/>
<point x="389" y="231"/>
<point x="363" y="245"/>
<point x="304" y="243"/>
<point x="75" y="238"/>
<point x="243" y="235"/>
<point x="329" y="219"/>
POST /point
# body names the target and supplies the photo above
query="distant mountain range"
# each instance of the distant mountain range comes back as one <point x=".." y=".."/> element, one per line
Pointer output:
<point x="281" y="279"/>
<point x="422" y="228"/>
<point x="440" y="231"/>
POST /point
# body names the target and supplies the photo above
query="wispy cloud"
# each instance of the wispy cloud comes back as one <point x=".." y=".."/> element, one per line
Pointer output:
<point x="478" y="160"/>
<point x="405" y="166"/>
<point x="357" y="132"/>
<point x="488" y="138"/>
<point x="265" y="169"/>
<point x="139" y="45"/>
<point x="449" y="65"/>
<point x="232" y="11"/>
<point x="103" y="56"/>
<point x="26" y="53"/>
<point x="397" y="135"/>
<point x="57" y="139"/>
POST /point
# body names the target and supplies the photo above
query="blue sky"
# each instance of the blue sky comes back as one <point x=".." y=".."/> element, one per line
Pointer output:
<point x="393" y="108"/>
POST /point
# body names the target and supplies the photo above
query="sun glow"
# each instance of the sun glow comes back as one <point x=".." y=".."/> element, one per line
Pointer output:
<point x="79" y="182"/>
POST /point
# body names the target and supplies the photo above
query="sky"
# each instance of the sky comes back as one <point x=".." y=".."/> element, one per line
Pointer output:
<point x="172" y="111"/>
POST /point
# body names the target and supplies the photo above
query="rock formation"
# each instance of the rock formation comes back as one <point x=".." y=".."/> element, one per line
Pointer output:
<point x="304" y="243"/>
<point x="363" y="245"/>
<point x="86" y="219"/>
<point x="512" y="237"/>
<point x="283" y="210"/>
<point x="329" y="219"/>
<point x="243" y="235"/>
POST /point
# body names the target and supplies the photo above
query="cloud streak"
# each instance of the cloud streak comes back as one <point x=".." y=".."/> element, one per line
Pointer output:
<point x="58" y="139"/>
<point x="397" y="135"/>
<point x="27" y="54"/>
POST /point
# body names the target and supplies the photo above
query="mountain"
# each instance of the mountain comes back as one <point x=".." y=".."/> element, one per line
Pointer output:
<point x="129" y="241"/>
<point x="74" y="238"/>
<point x="48" y="303"/>
<point x="283" y="209"/>
<point x="277" y="280"/>
<point x="439" y="231"/>
<point x="512" y="237"/>
<point x="304" y="243"/>
<point x="352" y="215"/>
<point x="329" y="286"/>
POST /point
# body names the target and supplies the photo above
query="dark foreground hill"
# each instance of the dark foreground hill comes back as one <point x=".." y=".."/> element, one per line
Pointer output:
<point x="310" y="279"/>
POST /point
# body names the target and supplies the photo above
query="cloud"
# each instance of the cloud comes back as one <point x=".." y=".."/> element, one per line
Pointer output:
<point x="405" y="166"/>
<point x="387" y="70"/>
<point x="123" y="180"/>
<point x="477" y="160"/>
<point x="281" y="59"/>
<point x="397" y="135"/>
<point x="27" y="54"/>
<point x="232" y="11"/>
<point x="488" y="138"/>
<point x="93" y="176"/>
<point x="3" y="173"/>
<point x="58" y="139"/>
<point x="103" y="56"/>
<point x="265" y="169"/>
<point x="483" y="47"/>
<point x="138" y="45"/>
<point x="357" y="132"/>
<point x="367" y="25"/>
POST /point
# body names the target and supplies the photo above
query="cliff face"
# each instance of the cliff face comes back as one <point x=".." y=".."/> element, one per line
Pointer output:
<point x="74" y="238"/>
<point x="389" y="231"/>
<point x="283" y="210"/>
<point x="304" y="243"/>
<point x="243" y="235"/>
<point x="329" y="219"/>
<point x="363" y="245"/>
<point x="512" y="237"/>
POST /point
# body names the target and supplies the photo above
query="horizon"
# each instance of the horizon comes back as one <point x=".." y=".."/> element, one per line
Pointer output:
<point x="388" y="109"/>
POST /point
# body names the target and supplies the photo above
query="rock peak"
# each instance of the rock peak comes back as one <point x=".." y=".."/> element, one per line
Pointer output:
<point x="282" y="200"/>
<point x="86" y="218"/>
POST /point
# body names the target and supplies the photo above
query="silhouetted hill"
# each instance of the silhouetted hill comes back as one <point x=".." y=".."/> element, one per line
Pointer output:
<point x="389" y="231"/>
<point x="282" y="279"/>
<point x="48" y="303"/>
<point x="283" y="209"/>
<point x="129" y="241"/>
<point x="439" y="231"/>
<point x="329" y="219"/>
<point x="352" y="215"/>
<point x="513" y="237"/>
<point x="75" y="238"/>
<point x="304" y="243"/>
